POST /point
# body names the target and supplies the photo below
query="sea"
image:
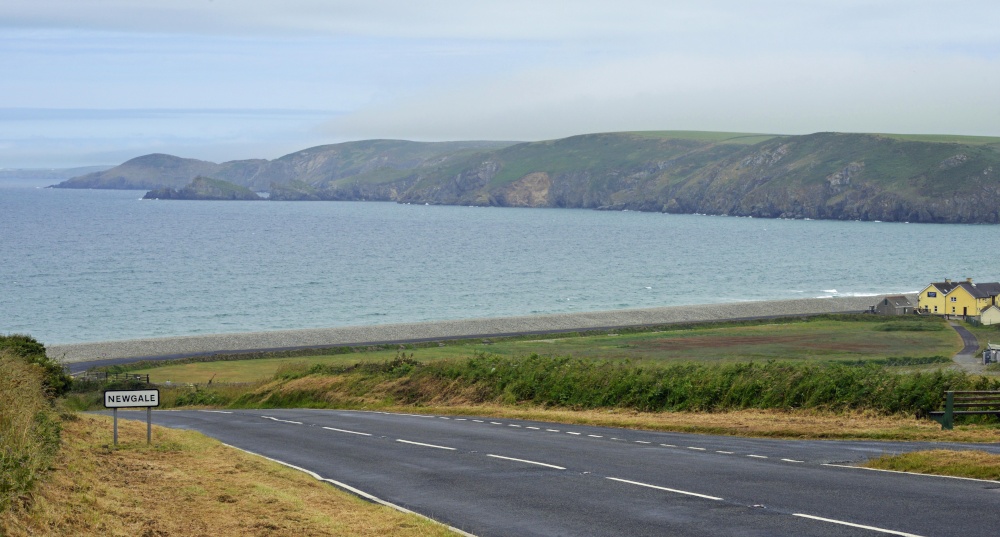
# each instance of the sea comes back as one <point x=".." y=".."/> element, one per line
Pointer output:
<point x="98" y="265"/>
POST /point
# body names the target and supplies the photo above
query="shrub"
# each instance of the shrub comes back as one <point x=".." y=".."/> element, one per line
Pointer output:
<point x="56" y="379"/>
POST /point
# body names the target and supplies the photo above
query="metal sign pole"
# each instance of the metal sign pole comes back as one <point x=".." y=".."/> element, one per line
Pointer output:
<point x="149" y="425"/>
<point x="116" y="426"/>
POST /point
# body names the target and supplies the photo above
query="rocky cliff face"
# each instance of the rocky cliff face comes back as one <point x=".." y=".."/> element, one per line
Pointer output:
<point x="819" y="176"/>
<point x="204" y="188"/>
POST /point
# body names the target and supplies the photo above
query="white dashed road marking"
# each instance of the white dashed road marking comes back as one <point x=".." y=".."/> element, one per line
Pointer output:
<point x="526" y="461"/>
<point x="853" y="525"/>
<point x="425" y="445"/>
<point x="666" y="489"/>
<point x="282" y="421"/>
<point x="346" y="431"/>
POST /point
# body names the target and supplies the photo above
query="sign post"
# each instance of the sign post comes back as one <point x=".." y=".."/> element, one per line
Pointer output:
<point x="115" y="399"/>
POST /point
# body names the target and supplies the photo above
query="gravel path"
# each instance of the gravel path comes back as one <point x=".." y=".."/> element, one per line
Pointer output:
<point x="391" y="333"/>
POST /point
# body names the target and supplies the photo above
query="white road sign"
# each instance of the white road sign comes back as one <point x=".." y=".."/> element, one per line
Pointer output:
<point x="131" y="398"/>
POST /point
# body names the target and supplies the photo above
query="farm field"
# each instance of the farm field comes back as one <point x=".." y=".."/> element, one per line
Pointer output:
<point x="826" y="338"/>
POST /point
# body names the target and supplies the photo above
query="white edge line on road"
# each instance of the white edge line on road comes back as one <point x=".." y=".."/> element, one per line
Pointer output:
<point x="216" y="411"/>
<point x="525" y="461"/>
<point x="348" y="488"/>
<point x="910" y="473"/>
<point x="665" y="488"/>
<point x="345" y="431"/>
<point x="425" y="445"/>
<point x="851" y="524"/>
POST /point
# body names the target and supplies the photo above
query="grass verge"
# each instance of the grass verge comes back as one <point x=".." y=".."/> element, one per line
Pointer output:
<point x="974" y="464"/>
<point x="187" y="484"/>
<point x="29" y="427"/>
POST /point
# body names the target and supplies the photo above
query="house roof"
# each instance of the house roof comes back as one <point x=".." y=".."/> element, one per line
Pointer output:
<point x="977" y="290"/>
<point x="898" y="301"/>
<point x="945" y="287"/>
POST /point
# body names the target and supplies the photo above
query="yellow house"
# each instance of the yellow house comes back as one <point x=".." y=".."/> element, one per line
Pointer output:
<point x="965" y="299"/>
<point x="931" y="299"/>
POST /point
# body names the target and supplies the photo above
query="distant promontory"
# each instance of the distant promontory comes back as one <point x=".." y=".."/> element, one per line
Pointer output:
<point x="842" y="176"/>
<point x="204" y="188"/>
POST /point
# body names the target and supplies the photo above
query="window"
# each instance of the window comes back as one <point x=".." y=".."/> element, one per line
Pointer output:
<point x="935" y="309"/>
<point x="931" y="294"/>
<point x="954" y="299"/>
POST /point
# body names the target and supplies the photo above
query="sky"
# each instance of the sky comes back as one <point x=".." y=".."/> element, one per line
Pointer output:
<point x="90" y="82"/>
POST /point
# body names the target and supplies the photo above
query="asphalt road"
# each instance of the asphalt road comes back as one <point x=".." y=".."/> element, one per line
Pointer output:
<point x="491" y="477"/>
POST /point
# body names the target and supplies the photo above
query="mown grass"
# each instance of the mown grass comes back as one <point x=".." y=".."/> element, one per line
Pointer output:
<point x="973" y="464"/>
<point x="188" y="484"/>
<point x="850" y="338"/>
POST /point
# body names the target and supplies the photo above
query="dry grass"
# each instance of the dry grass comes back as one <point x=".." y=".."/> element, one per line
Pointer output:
<point x="751" y="423"/>
<point x="187" y="484"/>
<point x="975" y="464"/>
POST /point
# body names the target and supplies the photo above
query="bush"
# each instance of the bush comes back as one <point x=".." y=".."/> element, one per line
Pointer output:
<point x="56" y="379"/>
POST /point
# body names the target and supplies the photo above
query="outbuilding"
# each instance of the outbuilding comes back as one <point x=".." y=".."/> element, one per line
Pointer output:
<point x="894" y="305"/>
<point x="990" y="315"/>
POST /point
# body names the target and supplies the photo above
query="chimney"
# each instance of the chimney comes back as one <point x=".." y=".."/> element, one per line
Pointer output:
<point x="947" y="280"/>
<point x="968" y="280"/>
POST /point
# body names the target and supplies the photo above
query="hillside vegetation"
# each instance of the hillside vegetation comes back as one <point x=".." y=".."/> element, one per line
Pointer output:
<point x="911" y="178"/>
<point x="29" y="423"/>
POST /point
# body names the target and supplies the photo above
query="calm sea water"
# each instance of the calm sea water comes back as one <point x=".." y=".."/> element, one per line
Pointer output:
<point x="93" y="265"/>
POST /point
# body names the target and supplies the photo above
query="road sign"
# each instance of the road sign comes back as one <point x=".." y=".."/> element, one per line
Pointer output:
<point x="115" y="399"/>
<point x="131" y="398"/>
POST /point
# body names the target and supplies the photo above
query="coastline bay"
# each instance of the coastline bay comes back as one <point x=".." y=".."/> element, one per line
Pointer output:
<point x="86" y="265"/>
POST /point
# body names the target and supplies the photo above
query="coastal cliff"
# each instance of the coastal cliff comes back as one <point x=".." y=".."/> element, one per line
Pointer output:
<point x="204" y="188"/>
<point x="843" y="176"/>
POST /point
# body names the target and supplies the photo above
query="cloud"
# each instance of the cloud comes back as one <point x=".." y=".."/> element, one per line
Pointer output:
<point x="695" y="22"/>
<point x="779" y="94"/>
<point x="491" y="69"/>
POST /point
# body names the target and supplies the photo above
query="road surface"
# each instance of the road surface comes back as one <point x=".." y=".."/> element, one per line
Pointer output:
<point x="499" y="477"/>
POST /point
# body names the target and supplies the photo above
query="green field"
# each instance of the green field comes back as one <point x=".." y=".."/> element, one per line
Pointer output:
<point x="946" y="138"/>
<point x="828" y="338"/>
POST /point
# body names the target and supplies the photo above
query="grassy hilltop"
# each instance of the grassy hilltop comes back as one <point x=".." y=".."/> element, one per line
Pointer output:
<point x="913" y="178"/>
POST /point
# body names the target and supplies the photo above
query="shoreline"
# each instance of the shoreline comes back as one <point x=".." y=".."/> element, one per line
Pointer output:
<point x="182" y="346"/>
